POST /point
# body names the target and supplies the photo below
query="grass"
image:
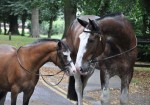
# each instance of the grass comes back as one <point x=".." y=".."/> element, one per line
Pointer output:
<point x="146" y="69"/>
<point x="18" y="41"/>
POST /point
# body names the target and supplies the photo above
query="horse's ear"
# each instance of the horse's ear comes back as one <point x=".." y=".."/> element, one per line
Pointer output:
<point x="94" y="24"/>
<point x="59" y="45"/>
<point x="82" y="22"/>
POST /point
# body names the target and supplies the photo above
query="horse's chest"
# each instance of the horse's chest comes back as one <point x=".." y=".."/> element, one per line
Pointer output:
<point x="30" y="80"/>
<point x="4" y="85"/>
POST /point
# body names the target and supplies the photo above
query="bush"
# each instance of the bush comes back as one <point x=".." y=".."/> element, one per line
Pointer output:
<point x="58" y="27"/>
<point x="144" y="53"/>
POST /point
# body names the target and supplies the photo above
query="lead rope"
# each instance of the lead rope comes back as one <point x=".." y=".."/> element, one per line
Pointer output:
<point x="50" y="84"/>
<point x="97" y="60"/>
<point x="28" y="71"/>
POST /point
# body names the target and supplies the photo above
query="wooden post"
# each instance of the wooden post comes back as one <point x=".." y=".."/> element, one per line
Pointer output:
<point x="9" y="35"/>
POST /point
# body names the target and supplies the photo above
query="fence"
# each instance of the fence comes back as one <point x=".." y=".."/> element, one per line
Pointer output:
<point x="143" y="42"/>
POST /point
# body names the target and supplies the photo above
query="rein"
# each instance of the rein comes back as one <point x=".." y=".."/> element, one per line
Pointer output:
<point x="113" y="56"/>
<point x="37" y="73"/>
<point x="98" y="59"/>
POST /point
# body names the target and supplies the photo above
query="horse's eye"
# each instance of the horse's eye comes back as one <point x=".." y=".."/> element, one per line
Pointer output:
<point x="90" y="40"/>
<point x="65" y="56"/>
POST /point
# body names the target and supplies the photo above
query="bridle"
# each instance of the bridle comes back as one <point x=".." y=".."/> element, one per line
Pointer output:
<point x="94" y="59"/>
<point x="63" y="68"/>
<point x="90" y="61"/>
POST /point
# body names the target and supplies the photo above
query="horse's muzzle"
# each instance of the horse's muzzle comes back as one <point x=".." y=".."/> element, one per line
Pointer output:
<point x="83" y="71"/>
<point x="69" y="71"/>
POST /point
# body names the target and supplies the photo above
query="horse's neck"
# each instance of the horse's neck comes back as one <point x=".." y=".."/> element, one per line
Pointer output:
<point x="35" y="56"/>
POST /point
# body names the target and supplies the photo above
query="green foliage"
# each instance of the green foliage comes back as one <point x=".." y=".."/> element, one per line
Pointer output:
<point x="18" y="7"/>
<point x="58" y="27"/>
<point x="89" y="7"/>
<point x="144" y="53"/>
<point x="49" y="9"/>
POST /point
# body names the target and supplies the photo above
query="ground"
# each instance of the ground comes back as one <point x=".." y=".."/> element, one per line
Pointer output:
<point x="139" y="88"/>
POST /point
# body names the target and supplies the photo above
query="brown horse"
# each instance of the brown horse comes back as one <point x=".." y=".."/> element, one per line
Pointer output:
<point x="110" y="41"/>
<point x="19" y="68"/>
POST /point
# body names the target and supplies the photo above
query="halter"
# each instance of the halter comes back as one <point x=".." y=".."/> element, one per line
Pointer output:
<point x="62" y="60"/>
<point x="62" y="68"/>
<point x="98" y="33"/>
<point x="97" y="59"/>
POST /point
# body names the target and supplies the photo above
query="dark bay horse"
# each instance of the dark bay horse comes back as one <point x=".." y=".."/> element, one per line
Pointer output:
<point x="108" y="41"/>
<point x="19" y="68"/>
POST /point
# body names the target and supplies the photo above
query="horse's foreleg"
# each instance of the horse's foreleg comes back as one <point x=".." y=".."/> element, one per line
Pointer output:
<point x="78" y="88"/>
<point x="27" y="95"/>
<point x="2" y="97"/>
<point x="124" y="95"/>
<point x="85" y="79"/>
<point x="14" y="98"/>
<point x="105" y="87"/>
<point x="125" y="81"/>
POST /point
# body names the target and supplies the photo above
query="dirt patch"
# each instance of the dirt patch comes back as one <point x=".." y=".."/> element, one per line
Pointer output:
<point x="139" y="93"/>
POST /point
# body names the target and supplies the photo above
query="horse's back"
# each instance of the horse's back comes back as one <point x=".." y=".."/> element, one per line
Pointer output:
<point x="4" y="49"/>
<point x="6" y="54"/>
<point x="87" y="17"/>
<point x="75" y="29"/>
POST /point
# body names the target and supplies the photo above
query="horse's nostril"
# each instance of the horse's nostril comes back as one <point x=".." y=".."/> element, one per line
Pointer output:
<point x="81" y="69"/>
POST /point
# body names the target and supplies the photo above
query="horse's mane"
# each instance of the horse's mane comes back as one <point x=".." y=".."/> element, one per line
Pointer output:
<point x="44" y="40"/>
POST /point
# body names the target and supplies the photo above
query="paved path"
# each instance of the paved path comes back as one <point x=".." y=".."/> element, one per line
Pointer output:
<point x="42" y="96"/>
<point x="46" y="95"/>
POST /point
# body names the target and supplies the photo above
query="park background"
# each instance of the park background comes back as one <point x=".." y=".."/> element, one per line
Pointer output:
<point x="23" y="21"/>
<point x="51" y="18"/>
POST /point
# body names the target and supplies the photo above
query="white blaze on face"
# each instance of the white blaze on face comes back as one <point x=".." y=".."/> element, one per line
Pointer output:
<point x="82" y="47"/>
<point x="72" y="68"/>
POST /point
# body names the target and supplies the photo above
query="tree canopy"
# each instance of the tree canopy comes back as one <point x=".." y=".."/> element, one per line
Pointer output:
<point x="137" y="11"/>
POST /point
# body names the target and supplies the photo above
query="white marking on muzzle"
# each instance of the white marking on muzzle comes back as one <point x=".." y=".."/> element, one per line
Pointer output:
<point x="72" y="68"/>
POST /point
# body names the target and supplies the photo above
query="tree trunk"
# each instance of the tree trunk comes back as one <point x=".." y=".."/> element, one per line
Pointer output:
<point x="24" y="18"/>
<point x="70" y="10"/>
<point x="104" y="7"/>
<point x="50" y="28"/>
<point x="146" y="16"/>
<point x="0" y="29"/>
<point x="35" y="23"/>
<point x="13" y="25"/>
<point x="145" y="24"/>
<point x="5" y="30"/>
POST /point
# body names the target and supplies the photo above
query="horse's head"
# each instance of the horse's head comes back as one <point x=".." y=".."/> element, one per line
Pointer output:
<point x="92" y="44"/>
<point x="64" y="60"/>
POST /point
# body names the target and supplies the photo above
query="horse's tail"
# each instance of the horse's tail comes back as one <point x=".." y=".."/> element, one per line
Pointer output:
<point x="2" y="95"/>
<point x="72" y="95"/>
